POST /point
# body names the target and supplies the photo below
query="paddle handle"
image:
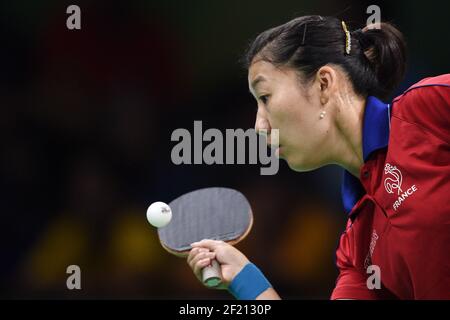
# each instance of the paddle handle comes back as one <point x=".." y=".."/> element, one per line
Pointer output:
<point x="211" y="275"/>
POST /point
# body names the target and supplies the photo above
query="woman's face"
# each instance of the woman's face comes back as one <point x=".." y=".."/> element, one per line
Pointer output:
<point x="285" y="104"/>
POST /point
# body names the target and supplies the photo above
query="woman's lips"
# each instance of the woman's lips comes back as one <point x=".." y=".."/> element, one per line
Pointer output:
<point x="278" y="151"/>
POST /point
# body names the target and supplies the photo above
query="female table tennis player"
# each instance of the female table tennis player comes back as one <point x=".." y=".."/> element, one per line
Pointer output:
<point x="320" y="84"/>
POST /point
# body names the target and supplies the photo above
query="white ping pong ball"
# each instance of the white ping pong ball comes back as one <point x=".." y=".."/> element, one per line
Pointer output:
<point x="159" y="214"/>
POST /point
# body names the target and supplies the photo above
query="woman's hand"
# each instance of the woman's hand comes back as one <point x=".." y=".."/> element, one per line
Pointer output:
<point x="230" y="259"/>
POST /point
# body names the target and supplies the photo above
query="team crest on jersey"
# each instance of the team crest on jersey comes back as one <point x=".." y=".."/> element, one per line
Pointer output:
<point x="394" y="179"/>
<point x="393" y="182"/>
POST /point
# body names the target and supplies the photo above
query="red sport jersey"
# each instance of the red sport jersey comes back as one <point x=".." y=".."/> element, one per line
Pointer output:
<point x="399" y="208"/>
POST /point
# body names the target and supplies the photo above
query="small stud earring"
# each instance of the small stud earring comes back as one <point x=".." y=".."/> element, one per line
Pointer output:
<point x="322" y="114"/>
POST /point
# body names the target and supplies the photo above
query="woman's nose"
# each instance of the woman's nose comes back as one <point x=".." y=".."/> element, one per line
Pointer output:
<point x="262" y="126"/>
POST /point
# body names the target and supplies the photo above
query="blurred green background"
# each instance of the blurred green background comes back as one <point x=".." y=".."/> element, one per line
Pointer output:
<point x="86" y="118"/>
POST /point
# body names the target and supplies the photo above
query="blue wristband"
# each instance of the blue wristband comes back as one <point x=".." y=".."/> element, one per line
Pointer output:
<point x="249" y="283"/>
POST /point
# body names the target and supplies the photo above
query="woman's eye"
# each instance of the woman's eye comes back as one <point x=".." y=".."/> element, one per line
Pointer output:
<point x="264" y="99"/>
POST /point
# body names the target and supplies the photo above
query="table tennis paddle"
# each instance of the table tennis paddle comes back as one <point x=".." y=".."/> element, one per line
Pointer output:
<point x="211" y="213"/>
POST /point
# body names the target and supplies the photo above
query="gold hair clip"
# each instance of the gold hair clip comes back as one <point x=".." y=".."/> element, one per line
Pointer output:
<point x="348" y="38"/>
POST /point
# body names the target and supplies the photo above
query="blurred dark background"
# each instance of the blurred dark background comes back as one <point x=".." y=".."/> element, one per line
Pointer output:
<point x="86" y="118"/>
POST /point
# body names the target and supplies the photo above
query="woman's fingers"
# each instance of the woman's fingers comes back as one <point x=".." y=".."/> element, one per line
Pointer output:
<point x="231" y="260"/>
<point x="198" y="255"/>
<point x="201" y="264"/>
<point x="210" y="244"/>
<point x="192" y="254"/>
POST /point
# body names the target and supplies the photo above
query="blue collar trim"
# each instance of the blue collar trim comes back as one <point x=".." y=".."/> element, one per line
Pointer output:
<point x="376" y="128"/>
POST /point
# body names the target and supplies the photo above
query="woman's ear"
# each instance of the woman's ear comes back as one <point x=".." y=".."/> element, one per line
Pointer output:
<point x="326" y="77"/>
